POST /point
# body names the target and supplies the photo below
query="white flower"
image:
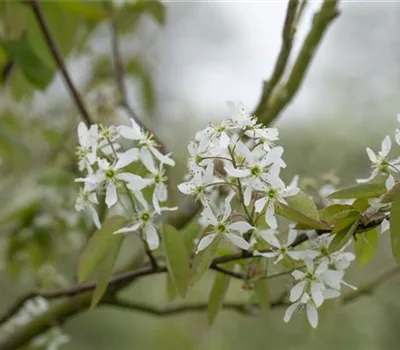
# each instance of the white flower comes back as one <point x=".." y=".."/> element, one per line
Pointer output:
<point x="304" y="301"/>
<point x="86" y="201"/>
<point x="112" y="175"/>
<point x="380" y="161"/>
<point x="147" y="144"/>
<point x="280" y="250"/>
<point x="274" y="193"/>
<point x="196" y="163"/>
<point x="397" y="133"/>
<point x="144" y="222"/>
<point x="240" y="117"/>
<point x="198" y="184"/>
<point x="87" y="149"/>
<point x="221" y="225"/>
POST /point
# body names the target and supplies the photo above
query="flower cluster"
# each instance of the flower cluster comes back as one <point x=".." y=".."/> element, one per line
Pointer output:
<point x="241" y="156"/>
<point x="113" y="171"/>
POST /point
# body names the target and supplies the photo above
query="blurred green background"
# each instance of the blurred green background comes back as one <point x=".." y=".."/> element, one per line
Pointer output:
<point x="183" y="63"/>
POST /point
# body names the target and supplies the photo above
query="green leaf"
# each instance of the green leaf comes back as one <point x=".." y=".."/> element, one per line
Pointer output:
<point x="360" y="191"/>
<point x="154" y="8"/>
<point x="172" y="293"/>
<point x="395" y="227"/>
<point x="35" y="71"/>
<point x="295" y="215"/>
<point x="203" y="259"/>
<point x="365" y="246"/>
<point x="106" y="270"/>
<point x="178" y="261"/>
<point x="361" y="204"/>
<point x="342" y="237"/>
<point x="262" y="292"/>
<point x="217" y="296"/>
<point x="304" y="204"/>
<point x="98" y="246"/>
<point x="92" y="10"/>
<point x="328" y="213"/>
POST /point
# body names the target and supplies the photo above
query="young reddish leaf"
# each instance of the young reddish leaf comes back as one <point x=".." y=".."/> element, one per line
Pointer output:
<point x="177" y="258"/>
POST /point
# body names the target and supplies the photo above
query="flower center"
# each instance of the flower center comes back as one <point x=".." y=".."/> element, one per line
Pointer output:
<point x="145" y="217"/>
<point x="272" y="192"/>
<point x="256" y="171"/>
<point x="110" y="173"/>
<point x="221" y="228"/>
<point x="157" y="178"/>
<point x="384" y="167"/>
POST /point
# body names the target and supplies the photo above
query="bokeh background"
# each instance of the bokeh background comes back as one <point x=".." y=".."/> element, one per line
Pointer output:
<point x="206" y="54"/>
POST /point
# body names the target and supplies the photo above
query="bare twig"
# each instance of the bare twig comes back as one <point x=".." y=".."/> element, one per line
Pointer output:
<point x="283" y="57"/>
<point x="268" y="111"/>
<point x="59" y="60"/>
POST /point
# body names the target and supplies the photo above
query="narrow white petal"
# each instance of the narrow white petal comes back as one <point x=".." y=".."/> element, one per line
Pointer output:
<point x="186" y="187"/>
<point x="164" y="159"/>
<point x="111" y="194"/>
<point x="238" y="241"/>
<point x="247" y="195"/>
<point x="289" y="312"/>
<point x="151" y="236"/>
<point x="371" y="155"/>
<point x="389" y="182"/>
<point x="291" y="237"/>
<point x="209" y="216"/>
<point x="312" y="315"/>
<point x="297" y="291"/>
<point x="240" y="226"/>
<point x="235" y="172"/>
<point x="147" y="159"/>
<point x="260" y="204"/>
<point x="316" y="294"/>
<point x="386" y="146"/>
<point x="95" y="217"/>
<point x="205" y="242"/>
<point x="129" y="133"/>
<point x="127" y="158"/>
<point x="224" y="140"/>
<point x="397" y="136"/>
<point x="82" y="133"/>
<point x="270" y="215"/>
<point x="266" y="254"/>
<point x="132" y="228"/>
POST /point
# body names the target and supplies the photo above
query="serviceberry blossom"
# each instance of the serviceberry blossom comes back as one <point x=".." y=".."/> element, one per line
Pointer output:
<point x="279" y="250"/>
<point x="144" y="222"/>
<point x="381" y="164"/>
<point x="111" y="170"/>
<point x="221" y="225"/>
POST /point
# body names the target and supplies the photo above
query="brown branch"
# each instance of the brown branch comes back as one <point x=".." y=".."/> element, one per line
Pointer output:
<point x="59" y="60"/>
<point x="288" y="34"/>
<point x="268" y="111"/>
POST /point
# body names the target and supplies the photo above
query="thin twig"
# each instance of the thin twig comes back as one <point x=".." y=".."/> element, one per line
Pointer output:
<point x="281" y="98"/>
<point x="59" y="60"/>
<point x="283" y="57"/>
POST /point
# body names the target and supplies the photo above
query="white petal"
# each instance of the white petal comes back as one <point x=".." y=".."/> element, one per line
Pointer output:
<point x="224" y="140"/>
<point x="397" y="136"/>
<point x="389" y="182"/>
<point x="111" y="194"/>
<point x="126" y="158"/>
<point x="161" y="192"/>
<point x="82" y="133"/>
<point x="331" y="293"/>
<point x="134" y="182"/>
<point x="147" y="160"/>
<point x="298" y="275"/>
<point x="238" y="241"/>
<point x="186" y="187"/>
<point x="270" y="215"/>
<point x="235" y="172"/>
<point x="240" y="226"/>
<point x="151" y="236"/>
<point x="260" y="204"/>
<point x="312" y="315"/>
<point x="209" y="216"/>
<point x="371" y="155"/>
<point x="385" y="225"/>
<point x="386" y="146"/>
<point x="291" y="237"/>
<point x="95" y="216"/>
<point x="297" y="291"/>
<point x="228" y="208"/>
<point x="164" y="159"/>
<point x="129" y="133"/>
<point x="247" y="195"/>
<point x="266" y="254"/>
<point x="132" y="228"/>
<point x="316" y="293"/>
<point x="289" y="312"/>
<point x="269" y="236"/>
<point x="205" y="242"/>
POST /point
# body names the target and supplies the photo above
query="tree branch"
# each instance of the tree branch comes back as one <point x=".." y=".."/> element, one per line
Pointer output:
<point x="268" y="110"/>
<point x="59" y="60"/>
<point x="288" y="34"/>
